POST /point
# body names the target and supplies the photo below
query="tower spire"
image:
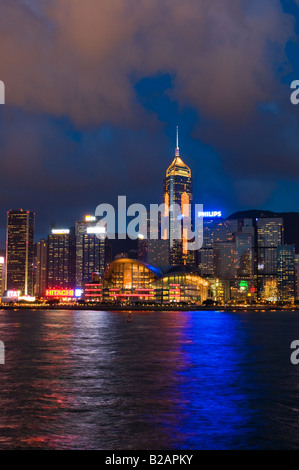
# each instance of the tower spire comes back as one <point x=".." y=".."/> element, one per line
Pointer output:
<point x="177" y="150"/>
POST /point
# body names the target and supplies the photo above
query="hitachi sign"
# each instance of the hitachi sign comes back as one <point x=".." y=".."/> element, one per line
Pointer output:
<point x="60" y="292"/>
<point x="210" y="214"/>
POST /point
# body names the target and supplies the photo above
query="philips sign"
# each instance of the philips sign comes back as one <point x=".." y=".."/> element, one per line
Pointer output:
<point x="210" y="214"/>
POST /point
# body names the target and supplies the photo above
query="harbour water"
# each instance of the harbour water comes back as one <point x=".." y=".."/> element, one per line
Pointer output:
<point x="163" y="381"/>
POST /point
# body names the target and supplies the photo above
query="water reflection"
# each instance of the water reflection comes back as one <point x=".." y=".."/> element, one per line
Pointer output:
<point x="216" y="390"/>
<point x="166" y="380"/>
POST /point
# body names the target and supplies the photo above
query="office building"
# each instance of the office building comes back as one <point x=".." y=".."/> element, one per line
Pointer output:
<point x="41" y="267"/>
<point x="61" y="259"/>
<point x="20" y="251"/>
<point x="296" y="277"/>
<point x="2" y="275"/>
<point x="93" y="250"/>
<point x="205" y="254"/>
<point x="178" y="190"/>
<point x="286" y="275"/>
<point x="269" y="236"/>
<point x="225" y="260"/>
<point x="80" y="230"/>
<point x="151" y="248"/>
<point x="96" y="253"/>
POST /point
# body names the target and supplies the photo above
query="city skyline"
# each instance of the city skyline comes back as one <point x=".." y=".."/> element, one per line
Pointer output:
<point x="81" y="217"/>
<point x="247" y="257"/>
<point x="149" y="214"/>
<point x="112" y="126"/>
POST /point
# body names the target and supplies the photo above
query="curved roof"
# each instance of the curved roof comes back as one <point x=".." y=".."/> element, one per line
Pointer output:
<point x="181" y="268"/>
<point x="156" y="271"/>
<point x="188" y="271"/>
<point x="178" y="167"/>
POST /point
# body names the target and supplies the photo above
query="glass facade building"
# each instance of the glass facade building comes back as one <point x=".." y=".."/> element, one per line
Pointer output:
<point x="2" y="275"/>
<point x="61" y="259"/>
<point x="41" y="267"/>
<point x="134" y="281"/>
<point x="93" y="250"/>
<point x="286" y="275"/>
<point x="20" y="251"/>
<point x="270" y="235"/>
<point x="178" y="191"/>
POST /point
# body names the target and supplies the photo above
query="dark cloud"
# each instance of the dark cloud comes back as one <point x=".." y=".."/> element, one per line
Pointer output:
<point x="75" y="131"/>
<point x="77" y="58"/>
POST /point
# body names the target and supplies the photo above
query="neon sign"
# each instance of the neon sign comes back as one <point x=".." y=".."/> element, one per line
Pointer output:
<point x="78" y="292"/>
<point x="243" y="286"/>
<point x="13" y="294"/>
<point x="210" y="214"/>
<point x="60" y="292"/>
<point x="95" y="229"/>
<point x="60" y="231"/>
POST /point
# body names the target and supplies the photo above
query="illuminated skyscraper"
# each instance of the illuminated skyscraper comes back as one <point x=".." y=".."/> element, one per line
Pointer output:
<point x="61" y="259"/>
<point x="81" y="226"/>
<point x="2" y="275"/>
<point x="178" y="190"/>
<point x="286" y="275"/>
<point x="245" y="249"/>
<point x="93" y="250"/>
<point x="227" y="256"/>
<point x="41" y="267"/>
<point x="205" y="254"/>
<point x="296" y="276"/>
<point x="269" y="236"/>
<point x="96" y="253"/>
<point x="20" y="251"/>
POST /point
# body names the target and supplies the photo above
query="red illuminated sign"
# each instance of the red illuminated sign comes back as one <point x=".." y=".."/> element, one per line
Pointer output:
<point x="60" y="292"/>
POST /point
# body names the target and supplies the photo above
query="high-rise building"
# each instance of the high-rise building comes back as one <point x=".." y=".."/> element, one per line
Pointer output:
<point x="245" y="250"/>
<point x="227" y="256"/>
<point x="231" y="238"/>
<point x="225" y="260"/>
<point x="142" y="246"/>
<point x="151" y="248"/>
<point x="96" y="253"/>
<point x="224" y="230"/>
<point x="2" y="275"/>
<point x="80" y="230"/>
<point x="158" y="253"/>
<point x="20" y="251"/>
<point x="93" y="250"/>
<point x="205" y="254"/>
<point x="296" y="277"/>
<point x="178" y="191"/>
<point x="269" y="236"/>
<point x="154" y="252"/>
<point x="61" y="259"/>
<point x="286" y="276"/>
<point x="41" y="267"/>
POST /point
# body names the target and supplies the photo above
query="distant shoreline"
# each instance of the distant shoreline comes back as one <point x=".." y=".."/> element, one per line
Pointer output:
<point x="164" y="308"/>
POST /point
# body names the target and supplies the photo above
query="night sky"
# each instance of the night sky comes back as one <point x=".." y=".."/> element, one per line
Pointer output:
<point x="95" y="88"/>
